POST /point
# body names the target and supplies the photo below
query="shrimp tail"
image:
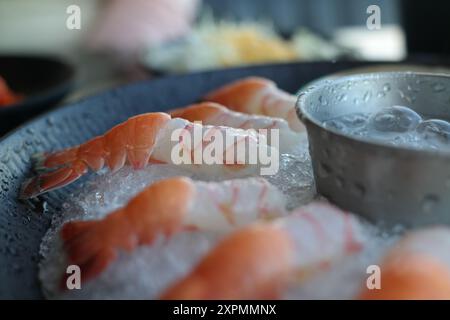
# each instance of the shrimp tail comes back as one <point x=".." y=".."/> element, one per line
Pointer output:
<point x="98" y="258"/>
<point x="52" y="180"/>
<point x="258" y="96"/>
<point x="86" y="248"/>
<point x="198" y="112"/>
<point x="239" y="95"/>
<point x="158" y="210"/>
<point x="131" y="141"/>
<point x="62" y="168"/>
<point x="250" y="263"/>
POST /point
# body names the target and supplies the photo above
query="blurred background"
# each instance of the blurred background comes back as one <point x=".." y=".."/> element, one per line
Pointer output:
<point x="121" y="41"/>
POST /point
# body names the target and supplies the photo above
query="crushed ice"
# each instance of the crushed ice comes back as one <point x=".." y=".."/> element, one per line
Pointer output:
<point x="147" y="271"/>
<point x="344" y="279"/>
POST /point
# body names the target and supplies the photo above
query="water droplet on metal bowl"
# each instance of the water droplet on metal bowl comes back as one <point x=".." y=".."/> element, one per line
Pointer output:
<point x="381" y="94"/>
<point x="367" y="96"/>
<point x="340" y="182"/>
<point x="323" y="101"/>
<point x="326" y="152"/>
<point x="341" y="97"/>
<point x="428" y="203"/>
<point x="358" y="189"/>
<point x="438" y="87"/>
<point x="324" y="170"/>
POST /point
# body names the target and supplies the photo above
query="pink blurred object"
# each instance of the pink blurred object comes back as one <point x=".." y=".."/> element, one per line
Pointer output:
<point x="127" y="26"/>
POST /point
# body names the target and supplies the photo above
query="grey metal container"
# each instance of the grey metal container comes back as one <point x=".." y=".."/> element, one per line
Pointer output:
<point x="384" y="183"/>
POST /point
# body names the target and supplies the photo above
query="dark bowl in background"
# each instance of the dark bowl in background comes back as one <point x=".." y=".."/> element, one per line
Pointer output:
<point x="43" y="81"/>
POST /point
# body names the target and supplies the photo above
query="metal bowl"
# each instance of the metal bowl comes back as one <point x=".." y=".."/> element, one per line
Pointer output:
<point x="384" y="183"/>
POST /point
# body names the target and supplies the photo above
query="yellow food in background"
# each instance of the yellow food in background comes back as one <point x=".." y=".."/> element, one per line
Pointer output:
<point x="248" y="44"/>
<point x="212" y="45"/>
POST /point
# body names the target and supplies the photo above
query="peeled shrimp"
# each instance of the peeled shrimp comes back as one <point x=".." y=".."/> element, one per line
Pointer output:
<point x="218" y="115"/>
<point x="256" y="95"/>
<point x="257" y="262"/>
<point x="142" y="139"/>
<point x="418" y="267"/>
<point x="164" y="208"/>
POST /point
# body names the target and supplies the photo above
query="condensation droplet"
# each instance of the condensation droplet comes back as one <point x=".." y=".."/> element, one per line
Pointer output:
<point x="327" y="152"/>
<point x="50" y="121"/>
<point x="381" y="94"/>
<point x="342" y="97"/>
<point x="323" y="101"/>
<point x="340" y="182"/>
<point x="367" y="96"/>
<point x="438" y="87"/>
<point x="334" y="125"/>
<point x="429" y="202"/>
<point x="358" y="189"/>
<point x="324" y="170"/>
<point x="12" y="251"/>
<point x="18" y="148"/>
<point x="45" y="208"/>
<point x="412" y="89"/>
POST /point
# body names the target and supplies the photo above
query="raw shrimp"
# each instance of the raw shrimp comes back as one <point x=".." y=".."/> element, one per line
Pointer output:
<point x="142" y="139"/>
<point x="257" y="262"/>
<point x="166" y="207"/>
<point x="418" y="267"/>
<point x="215" y="114"/>
<point x="256" y="95"/>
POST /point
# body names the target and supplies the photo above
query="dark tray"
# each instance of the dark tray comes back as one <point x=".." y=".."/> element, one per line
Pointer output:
<point x="22" y="226"/>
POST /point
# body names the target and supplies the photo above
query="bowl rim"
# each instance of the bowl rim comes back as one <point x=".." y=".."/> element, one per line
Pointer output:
<point x="30" y="102"/>
<point x="304" y="93"/>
